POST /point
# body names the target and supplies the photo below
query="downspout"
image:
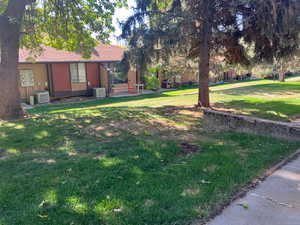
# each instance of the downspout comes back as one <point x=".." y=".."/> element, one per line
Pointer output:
<point x="49" y="78"/>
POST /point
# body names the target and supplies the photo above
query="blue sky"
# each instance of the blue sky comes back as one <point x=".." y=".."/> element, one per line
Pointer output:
<point x="121" y="15"/>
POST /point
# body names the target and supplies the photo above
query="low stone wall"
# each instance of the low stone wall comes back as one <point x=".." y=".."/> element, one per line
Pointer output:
<point x="223" y="121"/>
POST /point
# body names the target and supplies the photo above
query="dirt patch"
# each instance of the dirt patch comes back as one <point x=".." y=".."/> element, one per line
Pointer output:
<point x="188" y="149"/>
<point x="187" y="136"/>
<point x="163" y="124"/>
<point x="168" y="110"/>
<point x="187" y="111"/>
<point x="193" y="113"/>
<point x="134" y="127"/>
<point x="171" y="123"/>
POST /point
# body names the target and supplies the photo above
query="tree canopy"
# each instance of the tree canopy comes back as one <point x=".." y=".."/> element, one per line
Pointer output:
<point x="243" y="31"/>
<point x="73" y="25"/>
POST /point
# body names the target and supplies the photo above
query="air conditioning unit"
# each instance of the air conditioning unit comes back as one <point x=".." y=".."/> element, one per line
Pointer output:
<point x="43" y="97"/>
<point x="99" y="92"/>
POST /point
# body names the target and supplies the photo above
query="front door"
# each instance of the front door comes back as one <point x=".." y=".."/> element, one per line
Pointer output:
<point x="61" y="82"/>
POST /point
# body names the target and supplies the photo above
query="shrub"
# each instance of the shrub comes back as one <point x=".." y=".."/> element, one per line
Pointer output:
<point x="152" y="82"/>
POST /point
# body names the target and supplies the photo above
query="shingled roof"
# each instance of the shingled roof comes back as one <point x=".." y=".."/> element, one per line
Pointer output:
<point x="101" y="53"/>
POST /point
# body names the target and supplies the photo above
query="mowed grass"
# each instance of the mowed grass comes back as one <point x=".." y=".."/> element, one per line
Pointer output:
<point x="266" y="99"/>
<point x="125" y="161"/>
<point x="294" y="79"/>
<point x="263" y="98"/>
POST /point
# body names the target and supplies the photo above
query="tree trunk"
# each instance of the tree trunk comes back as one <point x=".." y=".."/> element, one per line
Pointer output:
<point x="10" y="26"/>
<point x="10" y="107"/>
<point x="282" y="77"/>
<point x="204" y="61"/>
<point x="283" y="70"/>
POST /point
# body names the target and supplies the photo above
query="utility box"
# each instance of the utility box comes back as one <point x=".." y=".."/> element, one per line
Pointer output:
<point x="43" y="97"/>
<point x="99" y="92"/>
<point x="31" y="100"/>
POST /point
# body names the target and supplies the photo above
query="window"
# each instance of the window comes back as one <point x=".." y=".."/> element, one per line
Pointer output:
<point x="27" y="78"/>
<point x="117" y="73"/>
<point x="78" y="72"/>
<point x="178" y="79"/>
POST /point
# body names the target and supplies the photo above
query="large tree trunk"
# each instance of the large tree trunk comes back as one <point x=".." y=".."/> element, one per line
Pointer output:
<point x="282" y="77"/>
<point x="10" y="95"/>
<point x="204" y="59"/>
<point x="10" y="26"/>
<point x="283" y="70"/>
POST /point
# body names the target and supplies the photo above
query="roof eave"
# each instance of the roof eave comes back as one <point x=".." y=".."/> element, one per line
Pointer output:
<point x="49" y="62"/>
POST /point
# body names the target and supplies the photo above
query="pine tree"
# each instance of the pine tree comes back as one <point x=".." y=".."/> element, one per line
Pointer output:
<point x="205" y="27"/>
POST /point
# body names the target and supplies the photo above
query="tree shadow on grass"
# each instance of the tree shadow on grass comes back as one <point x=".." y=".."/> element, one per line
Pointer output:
<point x="106" y="101"/>
<point x="274" y="110"/>
<point x="261" y="89"/>
<point x="69" y="177"/>
<point x="57" y="173"/>
<point x="146" y="183"/>
<point x="44" y="133"/>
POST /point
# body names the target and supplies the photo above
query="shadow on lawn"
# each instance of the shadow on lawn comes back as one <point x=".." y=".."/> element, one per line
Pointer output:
<point x="55" y="174"/>
<point x="48" y="131"/>
<point x="54" y="171"/>
<point x="275" y="110"/>
<point x="132" y="188"/>
<point x="275" y="88"/>
<point x="106" y="101"/>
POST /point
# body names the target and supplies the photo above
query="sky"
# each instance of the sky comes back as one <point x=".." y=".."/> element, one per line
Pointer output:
<point x="120" y="16"/>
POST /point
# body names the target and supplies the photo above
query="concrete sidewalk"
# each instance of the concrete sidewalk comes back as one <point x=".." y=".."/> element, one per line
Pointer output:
<point x="276" y="201"/>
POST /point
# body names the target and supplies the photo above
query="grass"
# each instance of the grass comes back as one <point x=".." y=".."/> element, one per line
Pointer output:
<point x="295" y="79"/>
<point x="266" y="99"/>
<point x="126" y="161"/>
<point x="262" y="98"/>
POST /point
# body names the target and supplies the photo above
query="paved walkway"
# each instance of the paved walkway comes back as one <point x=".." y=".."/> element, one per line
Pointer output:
<point x="276" y="201"/>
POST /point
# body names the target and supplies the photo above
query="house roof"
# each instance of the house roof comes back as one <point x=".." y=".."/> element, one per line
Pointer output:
<point x="101" y="53"/>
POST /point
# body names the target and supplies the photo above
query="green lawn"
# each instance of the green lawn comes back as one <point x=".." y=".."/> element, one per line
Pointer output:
<point x="295" y="79"/>
<point x="266" y="99"/>
<point x="263" y="98"/>
<point x="131" y="161"/>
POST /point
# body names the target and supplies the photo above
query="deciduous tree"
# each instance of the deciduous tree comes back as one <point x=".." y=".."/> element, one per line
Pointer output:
<point x="63" y="24"/>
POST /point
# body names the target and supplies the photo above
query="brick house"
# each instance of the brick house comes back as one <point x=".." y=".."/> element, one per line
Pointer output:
<point x="66" y="74"/>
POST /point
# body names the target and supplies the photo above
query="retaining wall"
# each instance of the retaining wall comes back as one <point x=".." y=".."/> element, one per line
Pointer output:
<point x="223" y="121"/>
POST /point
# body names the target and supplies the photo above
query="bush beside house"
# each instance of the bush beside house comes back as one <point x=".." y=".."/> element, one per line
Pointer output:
<point x="152" y="82"/>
